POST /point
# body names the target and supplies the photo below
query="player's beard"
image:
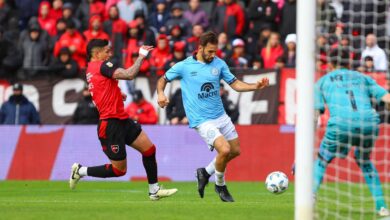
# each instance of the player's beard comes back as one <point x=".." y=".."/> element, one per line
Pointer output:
<point x="206" y="59"/>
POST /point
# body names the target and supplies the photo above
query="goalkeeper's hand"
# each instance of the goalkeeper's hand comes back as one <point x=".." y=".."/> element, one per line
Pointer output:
<point x="264" y="82"/>
<point x="144" y="50"/>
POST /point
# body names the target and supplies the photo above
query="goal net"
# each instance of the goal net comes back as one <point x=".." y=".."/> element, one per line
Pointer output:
<point x="360" y="27"/>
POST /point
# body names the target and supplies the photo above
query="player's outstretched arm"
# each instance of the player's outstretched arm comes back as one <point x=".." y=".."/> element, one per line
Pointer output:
<point x="241" y="86"/>
<point x="162" y="100"/>
<point x="131" y="72"/>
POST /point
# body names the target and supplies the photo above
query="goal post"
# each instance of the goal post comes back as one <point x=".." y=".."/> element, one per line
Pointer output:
<point x="304" y="133"/>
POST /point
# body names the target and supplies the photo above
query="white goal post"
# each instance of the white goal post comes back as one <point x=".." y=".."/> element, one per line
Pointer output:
<point x="304" y="133"/>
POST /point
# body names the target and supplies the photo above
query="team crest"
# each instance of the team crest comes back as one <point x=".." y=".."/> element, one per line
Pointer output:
<point x="214" y="71"/>
<point x="115" y="148"/>
<point x="109" y="64"/>
<point x="211" y="134"/>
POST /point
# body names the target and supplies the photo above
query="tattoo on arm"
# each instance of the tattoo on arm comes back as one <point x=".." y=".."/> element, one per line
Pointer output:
<point x="129" y="73"/>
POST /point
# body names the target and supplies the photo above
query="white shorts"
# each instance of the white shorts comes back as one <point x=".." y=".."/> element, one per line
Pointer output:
<point x="212" y="129"/>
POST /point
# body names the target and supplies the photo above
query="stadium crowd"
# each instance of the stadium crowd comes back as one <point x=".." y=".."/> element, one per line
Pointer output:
<point x="40" y="38"/>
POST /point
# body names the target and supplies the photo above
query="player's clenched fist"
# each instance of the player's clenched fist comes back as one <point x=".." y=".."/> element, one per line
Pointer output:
<point x="262" y="83"/>
<point x="162" y="101"/>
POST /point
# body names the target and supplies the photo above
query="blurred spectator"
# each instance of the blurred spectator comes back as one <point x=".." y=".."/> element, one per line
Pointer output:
<point x="127" y="9"/>
<point x="132" y="42"/>
<point x="110" y="3"/>
<point x="95" y="30"/>
<point x="178" y="55"/>
<point x="68" y="14"/>
<point x="26" y="10"/>
<point x="224" y="48"/>
<point x="116" y="28"/>
<point x="257" y="63"/>
<point x="262" y="12"/>
<point x="56" y="10"/>
<point x="10" y="59"/>
<point x="230" y="108"/>
<point x="176" y="35"/>
<point x="160" y="55"/>
<point x="46" y="22"/>
<point x="64" y="65"/>
<point x="196" y="15"/>
<point x="5" y="13"/>
<point x="290" y="52"/>
<point x="60" y="30"/>
<point x="227" y="16"/>
<point x="372" y="49"/>
<point x="86" y="112"/>
<point x="75" y="42"/>
<point x="256" y="43"/>
<point x="18" y="110"/>
<point x="288" y="18"/>
<point x="368" y="65"/>
<point x="146" y="35"/>
<point x="141" y="110"/>
<point x="177" y="20"/>
<point x="238" y="58"/>
<point x="321" y="57"/>
<point x="159" y="18"/>
<point x="193" y="41"/>
<point x="335" y="37"/>
<point x="86" y="9"/>
<point x="272" y="51"/>
<point x="12" y="32"/>
<point x="35" y="53"/>
<point x="327" y="17"/>
<point x="175" y="109"/>
<point x="280" y="63"/>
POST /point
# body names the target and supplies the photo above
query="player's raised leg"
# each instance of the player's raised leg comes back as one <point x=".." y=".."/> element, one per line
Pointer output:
<point x="143" y="144"/>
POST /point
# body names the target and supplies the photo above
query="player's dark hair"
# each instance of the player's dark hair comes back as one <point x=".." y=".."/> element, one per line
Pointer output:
<point x="339" y="57"/>
<point x="95" y="43"/>
<point x="208" y="37"/>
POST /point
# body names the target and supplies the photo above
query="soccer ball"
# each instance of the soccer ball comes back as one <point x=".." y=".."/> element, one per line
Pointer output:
<point x="276" y="182"/>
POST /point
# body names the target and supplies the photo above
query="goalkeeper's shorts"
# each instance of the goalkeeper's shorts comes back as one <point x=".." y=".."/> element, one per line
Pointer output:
<point x="337" y="143"/>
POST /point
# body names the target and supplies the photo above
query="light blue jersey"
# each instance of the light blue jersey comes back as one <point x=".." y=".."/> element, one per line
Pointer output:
<point x="200" y="87"/>
<point x="348" y="96"/>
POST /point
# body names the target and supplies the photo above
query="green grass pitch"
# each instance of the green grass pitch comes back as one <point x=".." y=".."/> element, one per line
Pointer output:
<point x="128" y="200"/>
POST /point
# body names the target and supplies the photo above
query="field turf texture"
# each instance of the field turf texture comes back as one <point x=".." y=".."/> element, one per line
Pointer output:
<point x="129" y="200"/>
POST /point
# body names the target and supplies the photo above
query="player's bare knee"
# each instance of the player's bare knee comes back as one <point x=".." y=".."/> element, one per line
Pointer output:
<point x="224" y="152"/>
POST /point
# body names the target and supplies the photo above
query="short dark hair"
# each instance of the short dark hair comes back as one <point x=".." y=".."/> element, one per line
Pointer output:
<point x="95" y="43"/>
<point x="208" y="37"/>
<point x="340" y="57"/>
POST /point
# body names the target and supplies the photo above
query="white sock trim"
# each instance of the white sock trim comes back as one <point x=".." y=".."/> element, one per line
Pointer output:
<point x="210" y="169"/>
<point x="153" y="188"/>
<point x="83" y="171"/>
<point x="219" y="178"/>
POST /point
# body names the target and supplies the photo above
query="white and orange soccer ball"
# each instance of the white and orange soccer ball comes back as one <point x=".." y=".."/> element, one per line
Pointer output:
<point x="276" y="182"/>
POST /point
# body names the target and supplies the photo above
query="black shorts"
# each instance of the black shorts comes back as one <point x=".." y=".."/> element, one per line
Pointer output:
<point x="114" y="134"/>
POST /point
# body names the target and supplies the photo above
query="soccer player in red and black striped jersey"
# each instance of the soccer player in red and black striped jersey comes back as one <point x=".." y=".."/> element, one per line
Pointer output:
<point x="115" y="128"/>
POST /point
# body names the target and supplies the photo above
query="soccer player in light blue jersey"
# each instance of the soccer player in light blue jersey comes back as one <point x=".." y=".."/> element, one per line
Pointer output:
<point x="200" y="77"/>
<point x="352" y="122"/>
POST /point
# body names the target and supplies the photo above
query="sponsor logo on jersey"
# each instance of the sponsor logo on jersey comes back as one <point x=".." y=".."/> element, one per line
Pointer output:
<point x="207" y="90"/>
<point x="109" y="64"/>
<point x="115" y="148"/>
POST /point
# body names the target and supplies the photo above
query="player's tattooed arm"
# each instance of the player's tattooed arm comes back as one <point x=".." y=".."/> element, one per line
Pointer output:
<point x="131" y="72"/>
<point x="162" y="100"/>
<point x="241" y="86"/>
